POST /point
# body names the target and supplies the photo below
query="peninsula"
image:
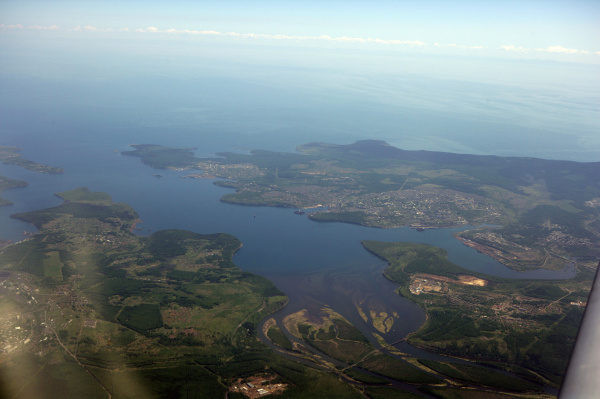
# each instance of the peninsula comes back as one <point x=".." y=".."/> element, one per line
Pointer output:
<point x="6" y="183"/>
<point x="524" y="326"/>
<point x="530" y="213"/>
<point x="11" y="156"/>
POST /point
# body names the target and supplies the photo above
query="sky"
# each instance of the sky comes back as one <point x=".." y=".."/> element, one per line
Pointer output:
<point x="532" y="63"/>
<point x="543" y="29"/>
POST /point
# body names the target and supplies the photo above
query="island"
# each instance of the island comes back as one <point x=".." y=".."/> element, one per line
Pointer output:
<point x="527" y="213"/>
<point x="10" y="156"/>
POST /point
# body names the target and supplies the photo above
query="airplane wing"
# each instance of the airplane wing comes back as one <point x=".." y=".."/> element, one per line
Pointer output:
<point x="582" y="380"/>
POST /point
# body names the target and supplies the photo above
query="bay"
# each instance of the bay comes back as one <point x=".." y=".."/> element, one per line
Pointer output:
<point x="315" y="264"/>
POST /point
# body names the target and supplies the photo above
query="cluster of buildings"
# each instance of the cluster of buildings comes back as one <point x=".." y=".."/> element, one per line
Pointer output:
<point x="227" y="171"/>
<point x="428" y="207"/>
<point x="14" y="329"/>
<point x="420" y="285"/>
<point x="258" y="386"/>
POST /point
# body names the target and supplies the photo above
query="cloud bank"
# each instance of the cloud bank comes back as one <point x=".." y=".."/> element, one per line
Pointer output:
<point x="550" y="49"/>
<point x="340" y="39"/>
<point x="555" y="49"/>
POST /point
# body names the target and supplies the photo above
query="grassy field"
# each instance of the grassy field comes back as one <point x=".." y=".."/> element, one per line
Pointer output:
<point x="389" y="393"/>
<point x="279" y="338"/>
<point x="480" y="376"/>
<point x="397" y="369"/>
<point x="53" y="266"/>
<point x="29" y="377"/>
<point x="83" y="194"/>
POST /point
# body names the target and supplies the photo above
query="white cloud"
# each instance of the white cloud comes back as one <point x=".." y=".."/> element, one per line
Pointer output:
<point x="562" y="50"/>
<point x="90" y="28"/>
<point x="321" y="38"/>
<point x="39" y="27"/>
<point x="10" y="27"/>
<point x="340" y="39"/>
<point x="209" y="32"/>
<point x="515" y="48"/>
<point x="550" y="49"/>
<point x="459" y="46"/>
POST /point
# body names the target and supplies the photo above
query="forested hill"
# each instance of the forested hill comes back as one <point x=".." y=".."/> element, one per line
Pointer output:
<point x="577" y="181"/>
